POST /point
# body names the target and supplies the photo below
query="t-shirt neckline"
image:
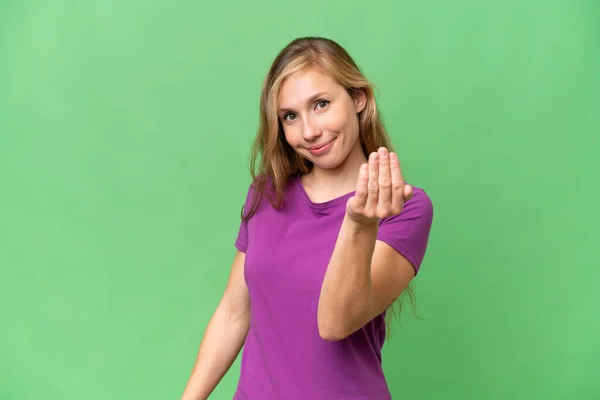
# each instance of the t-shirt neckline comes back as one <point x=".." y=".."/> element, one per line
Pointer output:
<point x="330" y="203"/>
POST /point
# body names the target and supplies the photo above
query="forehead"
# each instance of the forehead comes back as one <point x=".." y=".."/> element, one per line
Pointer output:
<point x="301" y="85"/>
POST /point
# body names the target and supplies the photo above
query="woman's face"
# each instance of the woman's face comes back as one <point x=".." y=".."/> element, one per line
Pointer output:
<point x="320" y="118"/>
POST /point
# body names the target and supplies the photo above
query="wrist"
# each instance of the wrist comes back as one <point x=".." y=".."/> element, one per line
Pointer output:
<point x="361" y="227"/>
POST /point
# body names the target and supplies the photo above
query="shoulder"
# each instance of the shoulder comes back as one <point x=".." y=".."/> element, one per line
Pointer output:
<point x="259" y="184"/>
<point x="420" y="207"/>
<point x="408" y="232"/>
<point x="420" y="202"/>
<point x="262" y="192"/>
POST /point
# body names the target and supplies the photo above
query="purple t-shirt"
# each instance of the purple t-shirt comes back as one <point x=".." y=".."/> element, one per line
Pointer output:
<point x="287" y="252"/>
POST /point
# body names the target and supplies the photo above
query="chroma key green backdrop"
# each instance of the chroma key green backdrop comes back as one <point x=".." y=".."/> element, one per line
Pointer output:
<point x="125" y="129"/>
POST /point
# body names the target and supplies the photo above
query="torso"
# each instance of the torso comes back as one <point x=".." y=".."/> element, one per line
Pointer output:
<point x="284" y="357"/>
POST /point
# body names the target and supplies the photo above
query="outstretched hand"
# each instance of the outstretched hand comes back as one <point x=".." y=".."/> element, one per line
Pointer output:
<point x="380" y="190"/>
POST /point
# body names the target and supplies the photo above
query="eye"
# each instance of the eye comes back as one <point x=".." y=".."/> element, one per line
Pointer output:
<point x="322" y="104"/>
<point x="289" y="117"/>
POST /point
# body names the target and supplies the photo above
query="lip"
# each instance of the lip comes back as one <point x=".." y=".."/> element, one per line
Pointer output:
<point x="323" y="148"/>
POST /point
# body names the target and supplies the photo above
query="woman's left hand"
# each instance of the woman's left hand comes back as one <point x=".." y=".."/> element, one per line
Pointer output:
<point x="380" y="190"/>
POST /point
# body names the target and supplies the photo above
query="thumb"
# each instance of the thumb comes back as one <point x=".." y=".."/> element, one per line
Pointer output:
<point x="408" y="192"/>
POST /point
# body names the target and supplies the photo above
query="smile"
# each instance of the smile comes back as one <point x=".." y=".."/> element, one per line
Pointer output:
<point x="321" y="149"/>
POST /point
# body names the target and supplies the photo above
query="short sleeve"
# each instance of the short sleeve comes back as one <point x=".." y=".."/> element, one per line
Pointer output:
<point x="408" y="232"/>
<point x="241" y="242"/>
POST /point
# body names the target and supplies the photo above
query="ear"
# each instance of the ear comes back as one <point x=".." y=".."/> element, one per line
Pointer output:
<point x="360" y="100"/>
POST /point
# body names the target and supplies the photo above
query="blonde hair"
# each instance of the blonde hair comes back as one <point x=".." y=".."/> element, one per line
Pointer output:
<point x="277" y="160"/>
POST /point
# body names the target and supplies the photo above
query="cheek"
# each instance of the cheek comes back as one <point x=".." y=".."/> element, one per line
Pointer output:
<point x="292" y="136"/>
<point x="340" y="121"/>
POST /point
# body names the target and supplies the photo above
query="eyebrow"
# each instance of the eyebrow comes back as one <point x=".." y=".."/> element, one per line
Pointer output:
<point x="310" y="100"/>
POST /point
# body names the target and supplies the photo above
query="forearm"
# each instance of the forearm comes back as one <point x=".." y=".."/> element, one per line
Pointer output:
<point x="347" y="293"/>
<point x="223" y="339"/>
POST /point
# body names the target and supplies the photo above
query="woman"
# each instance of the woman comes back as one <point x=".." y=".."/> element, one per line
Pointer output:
<point x="330" y="236"/>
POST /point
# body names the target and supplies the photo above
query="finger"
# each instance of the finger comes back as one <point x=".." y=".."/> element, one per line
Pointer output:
<point x="408" y="192"/>
<point x="385" y="181"/>
<point x="373" y="185"/>
<point x="397" y="183"/>
<point x="361" y="187"/>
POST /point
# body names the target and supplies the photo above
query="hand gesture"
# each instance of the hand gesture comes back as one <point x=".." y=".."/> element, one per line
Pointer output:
<point x="380" y="190"/>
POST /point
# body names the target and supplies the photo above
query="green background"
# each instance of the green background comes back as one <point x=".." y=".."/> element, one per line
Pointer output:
<point x="125" y="129"/>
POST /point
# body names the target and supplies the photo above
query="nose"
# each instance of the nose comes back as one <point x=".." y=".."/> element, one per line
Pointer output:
<point x="311" y="130"/>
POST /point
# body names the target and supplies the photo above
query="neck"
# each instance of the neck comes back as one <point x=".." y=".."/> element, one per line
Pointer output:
<point x="341" y="179"/>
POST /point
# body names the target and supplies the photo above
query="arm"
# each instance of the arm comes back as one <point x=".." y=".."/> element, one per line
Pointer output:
<point x="363" y="278"/>
<point x="224" y="336"/>
<point x="364" y="275"/>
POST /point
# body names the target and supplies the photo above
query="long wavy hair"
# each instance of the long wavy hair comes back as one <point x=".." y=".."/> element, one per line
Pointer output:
<point x="273" y="161"/>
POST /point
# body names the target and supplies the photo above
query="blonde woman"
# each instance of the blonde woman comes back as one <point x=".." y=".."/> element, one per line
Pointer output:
<point x="330" y="236"/>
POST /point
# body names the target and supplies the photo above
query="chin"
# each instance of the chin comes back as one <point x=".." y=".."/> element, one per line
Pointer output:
<point x="330" y="163"/>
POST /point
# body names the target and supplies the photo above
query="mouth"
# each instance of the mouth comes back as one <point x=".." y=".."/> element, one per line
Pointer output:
<point x="321" y="148"/>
